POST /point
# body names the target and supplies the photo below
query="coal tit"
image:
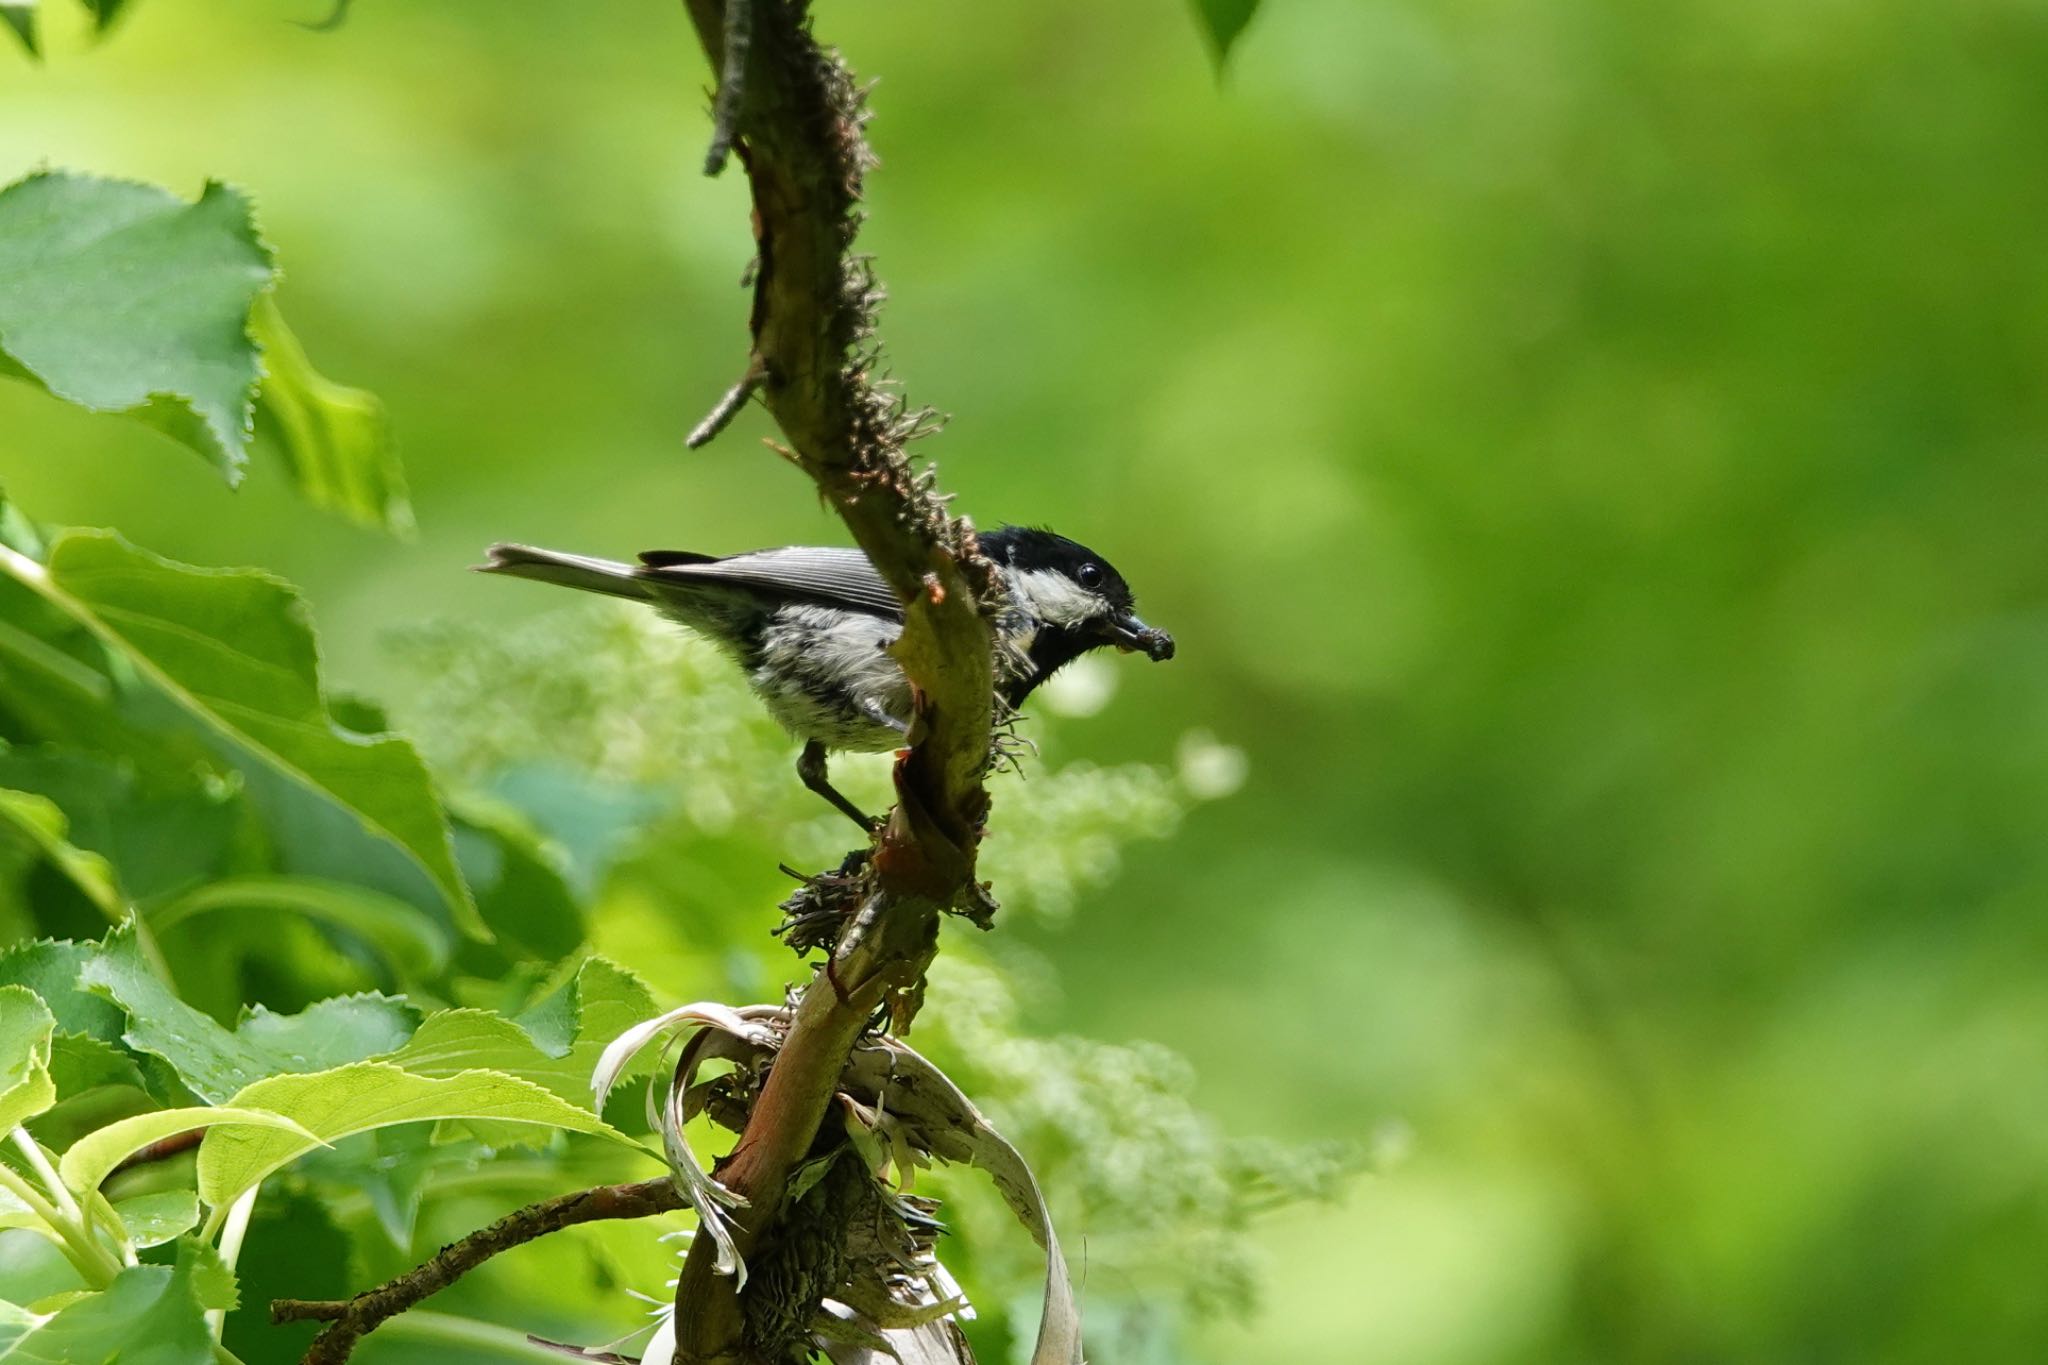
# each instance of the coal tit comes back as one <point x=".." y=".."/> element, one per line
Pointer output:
<point x="811" y="626"/>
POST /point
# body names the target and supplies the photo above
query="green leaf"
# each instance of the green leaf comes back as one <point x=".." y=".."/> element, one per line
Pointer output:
<point x="149" y="1315"/>
<point x="233" y="651"/>
<point x="20" y="15"/>
<point x="25" y="1028"/>
<point x="93" y="1157"/>
<point x="160" y="832"/>
<point x="555" y="1044"/>
<point x="214" y="1062"/>
<point x="601" y="1001"/>
<point x="451" y="1042"/>
<point x="15" y="1323"/>
<point x="52" y="968"/>
<point x="331" y="1033"/>
<point x="336" y="440"/>
<point x="35" y="1271"/>
<point x="1223" y="21"/>
<point x="105" y="12"/>
<point x="153" y="1219"/>
<point x="124" y="298"/>
<point x="520" y="892"/>
<point x="121" y="297"/>
<point x="394" y="1167"/>
<point x="79" y="1062"/>
<point x="367" y="1095"/>
<point x="415" y="947"/>
<point x="37" y="819"/>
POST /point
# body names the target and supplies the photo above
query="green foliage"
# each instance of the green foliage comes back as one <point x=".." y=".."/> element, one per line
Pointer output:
<point x="90" y="1160"/>
<point x="25" y="1028"/>
<point x="232" y="652"/>
<point x="1163" y="1195"/>
<point x="336" y="441"/>
<point x="176" y="357"/>
<point x="37" y="822"/>
<point x="20" y="15"/>
<point x="201" y="354"/>
<point x="210" y="681"/>
<point x="363" y="1096"/>
<point x="1222" y="22"/>
<point x="148" y="1315"/>
<point x="364" y="985"/>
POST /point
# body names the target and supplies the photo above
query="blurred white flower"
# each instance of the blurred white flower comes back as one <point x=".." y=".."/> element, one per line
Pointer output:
<point x="1080" y="689"/>
<point x="1392" y="1142"/>
<point x="1210" y="770"/>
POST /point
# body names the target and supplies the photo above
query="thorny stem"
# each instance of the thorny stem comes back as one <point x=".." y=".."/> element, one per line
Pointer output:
<point x="350" y="1319"/>
<point x="795" y="120"/>
<point x="798" y="124"/>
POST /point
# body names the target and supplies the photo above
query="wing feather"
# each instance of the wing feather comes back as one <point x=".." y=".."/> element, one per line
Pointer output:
<point x="814" y="573"/>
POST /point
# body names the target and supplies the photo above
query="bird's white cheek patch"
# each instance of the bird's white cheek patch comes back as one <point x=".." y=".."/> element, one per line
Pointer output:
<point x="1057" y="599"/>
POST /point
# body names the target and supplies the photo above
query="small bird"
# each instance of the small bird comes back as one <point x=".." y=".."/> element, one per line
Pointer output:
<point x="812" y="627"/>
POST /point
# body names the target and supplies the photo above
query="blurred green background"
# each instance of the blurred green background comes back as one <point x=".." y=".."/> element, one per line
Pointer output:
<point x="1591" y="454"/>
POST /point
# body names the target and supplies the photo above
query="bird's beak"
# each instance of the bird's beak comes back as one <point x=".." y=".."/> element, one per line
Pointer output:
<point x="1127" y="633"/>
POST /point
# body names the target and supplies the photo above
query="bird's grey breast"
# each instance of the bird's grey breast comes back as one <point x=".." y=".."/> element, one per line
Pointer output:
<point x="826" y="674"/>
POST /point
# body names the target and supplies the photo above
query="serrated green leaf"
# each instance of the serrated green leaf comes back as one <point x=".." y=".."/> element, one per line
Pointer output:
<point x="153" y="1219"/>
<point x="208" y="1058"/>
<point x="232" y="650"/>
<point x="215" y="1062"/>
<point x="336" y="440"/>
<point x="149" y="1315"/>
<point x="26" y="1025"/>
<point x="451" y="1042"/>
<point x="555" y="1044"/>
<point x="411" y="943"/>
<point x="333" y="1032"/>
<point x="37" y="819"/>
<point x="60" y="691"/>
<point x="51" y="968"/>
<point x="79" y="1063"/>
<point x="367" y="1095"/>
<point x="594" y="1006"/>
<point x="124" y="298"/>
<point x="93" y="1157"/>
<point x="1223" y="22"/>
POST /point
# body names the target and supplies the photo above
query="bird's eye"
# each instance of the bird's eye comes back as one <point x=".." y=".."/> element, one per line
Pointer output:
<point x="1090" y="576"/>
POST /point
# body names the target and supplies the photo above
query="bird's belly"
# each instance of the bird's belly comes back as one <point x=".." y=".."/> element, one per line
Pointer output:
<point x="826" y="675"/>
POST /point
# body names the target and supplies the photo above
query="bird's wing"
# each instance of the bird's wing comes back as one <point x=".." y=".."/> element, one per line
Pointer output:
<point x="833" y="576"/>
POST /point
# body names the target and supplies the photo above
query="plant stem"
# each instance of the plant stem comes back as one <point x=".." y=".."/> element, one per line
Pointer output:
<point x="349" y="1320"/>
<point x="87" y="1256"/>
<point x="231" y="1234"/>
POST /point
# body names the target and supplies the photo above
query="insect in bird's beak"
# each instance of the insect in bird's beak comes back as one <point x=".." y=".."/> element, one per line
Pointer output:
<point x="1128" y="633"/>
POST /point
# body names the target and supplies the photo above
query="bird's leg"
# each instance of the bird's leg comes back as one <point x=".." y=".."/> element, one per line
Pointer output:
<point x="810" y="766"/>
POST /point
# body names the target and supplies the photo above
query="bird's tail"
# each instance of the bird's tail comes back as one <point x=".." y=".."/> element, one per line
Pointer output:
<point x="570" y="571"/>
